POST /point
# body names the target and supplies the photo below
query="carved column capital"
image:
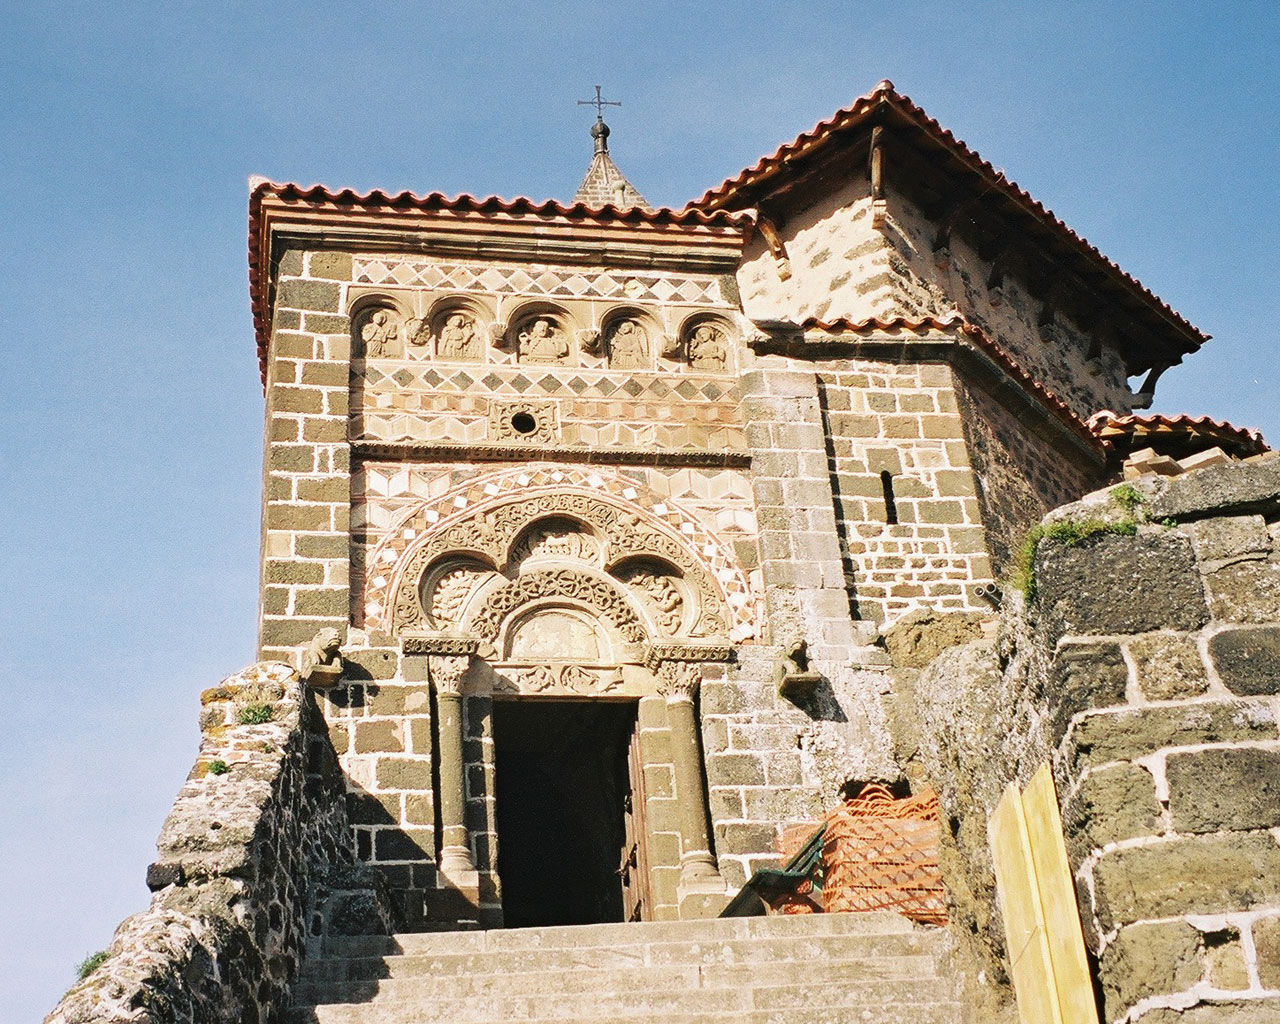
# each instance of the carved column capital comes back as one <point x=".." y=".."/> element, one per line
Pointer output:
<point x="447" y="672"/>
<point x="678" y="680"/>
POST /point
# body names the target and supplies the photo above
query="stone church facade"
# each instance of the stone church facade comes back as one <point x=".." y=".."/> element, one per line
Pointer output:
<point x="605" y="548"/>
<point x="537" y="463"/>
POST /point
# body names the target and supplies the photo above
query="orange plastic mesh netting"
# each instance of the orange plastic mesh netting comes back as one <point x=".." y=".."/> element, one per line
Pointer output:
<point x="881" y="853"/>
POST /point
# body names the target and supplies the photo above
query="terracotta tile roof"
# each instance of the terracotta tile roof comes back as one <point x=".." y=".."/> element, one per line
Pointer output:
<point x="1131" y="433"/>
<point x="982" y="341"/>
<point x="885" y="98"/>
<point x="320" y="198"/>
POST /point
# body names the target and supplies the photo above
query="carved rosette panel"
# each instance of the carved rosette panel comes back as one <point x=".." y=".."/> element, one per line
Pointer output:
<point x="494" y="533"/>
<point x="546" y="584"/>
<point x="524" y="421"/>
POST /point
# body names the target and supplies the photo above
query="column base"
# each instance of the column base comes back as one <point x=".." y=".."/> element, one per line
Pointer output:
<point x="458" y="869"/>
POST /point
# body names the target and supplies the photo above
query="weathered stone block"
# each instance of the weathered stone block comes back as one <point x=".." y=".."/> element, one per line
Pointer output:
<point x="1192" y="875"/>
<point x="292" y="572"/>
<point x="335" y="266"/>
<point x="292" y="458"/>
<point x="1114" y="584"/>
<point x="324" y="431"/>
<point x="1148" y="960"/>
<point x="1245" y="592"/>
<point x="297" y="400"/>
<point x="916" y="639"/>
<point x="1225" y="537"/>
<point x="1251" y="1011"/>
<point x="375" y="663"/>
<point x="1266" y="944"/>
<point x="317" y="295"/>
<point x="736" y="769"/>
<point x="1225" y="965"/>
<point x="378" y="737"/>
<point x="321" y="546"/>
<point x="1168" y="666"/>
<point x="403" y="773"/>
<point x="403" y="844"/>
<point x="1111" y="804"/>
<point x="1086" y="675"/>
<point x="1248" y="659"/>
<point x="329" y="601"/>
<point x="325" y="374"/>
<point x="1219" y="790"/>
<point x="1239" y="488"/>
<point x="314" y="518"/>
<point x="1124" y="735"/>
<point x="373" y="808"/>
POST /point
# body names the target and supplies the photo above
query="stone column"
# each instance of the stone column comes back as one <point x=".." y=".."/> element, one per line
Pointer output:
<point x="447" y="673"/>
<point x="678" y="683"/>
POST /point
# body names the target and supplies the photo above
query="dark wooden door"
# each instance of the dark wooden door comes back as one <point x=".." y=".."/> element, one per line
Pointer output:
<point x="634" y="869"/>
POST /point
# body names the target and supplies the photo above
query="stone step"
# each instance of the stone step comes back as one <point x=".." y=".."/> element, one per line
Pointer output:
<point x="631" y="1002"/>
<point x="737" y="976"/>
<point x="942" y="1012"/>
<point x="874" y="923"/>
<point x="761" y="950"/>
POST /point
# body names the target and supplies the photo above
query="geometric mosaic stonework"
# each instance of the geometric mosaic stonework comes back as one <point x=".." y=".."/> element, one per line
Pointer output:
<point x="388" y="560"/>
<point x="425" y="402"/>
<point x="560" y="282"/>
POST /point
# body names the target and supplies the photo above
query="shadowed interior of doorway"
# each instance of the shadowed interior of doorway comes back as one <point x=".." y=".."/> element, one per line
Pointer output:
<point x="562" y="789"/>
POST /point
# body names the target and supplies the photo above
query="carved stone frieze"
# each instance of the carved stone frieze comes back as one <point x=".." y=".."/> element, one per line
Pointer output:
<point x="661" y="652"/>
<point x="448" y="671"/>
<point x="551" y="678"/>
<point x="458" y="337"/>
<point x="570" y="584"/>
<point x="439" y="644"/>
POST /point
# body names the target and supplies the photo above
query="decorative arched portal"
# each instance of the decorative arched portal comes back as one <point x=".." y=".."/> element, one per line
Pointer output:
<point x="568" y="593"/>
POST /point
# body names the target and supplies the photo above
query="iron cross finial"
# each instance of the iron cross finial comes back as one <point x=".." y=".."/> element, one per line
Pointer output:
<point x="599" y="104"/>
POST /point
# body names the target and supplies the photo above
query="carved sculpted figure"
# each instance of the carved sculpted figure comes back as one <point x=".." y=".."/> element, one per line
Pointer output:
<point x="458" y="338"/>
<point x="541" y="342"/>
<point x="379" y="334"/>
<point x="707" y="348"/>
<point x="628" y="346"/>
<point x="321" y="663"/>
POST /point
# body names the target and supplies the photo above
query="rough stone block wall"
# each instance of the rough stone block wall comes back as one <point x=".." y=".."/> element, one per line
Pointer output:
<point x="837" y="265"/>
<point x="254" y="865"/>
<point x="307" y="490"/>
<point x="957" y="278"/>
<point x="904" y="420"/>
<point x="1021" y="475"/>
<point x="1145" y="666"/>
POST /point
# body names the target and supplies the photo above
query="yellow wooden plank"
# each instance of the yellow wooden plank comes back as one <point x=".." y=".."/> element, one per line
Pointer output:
<point x="1016" y="886"/>
<point x="1061" y="917"/>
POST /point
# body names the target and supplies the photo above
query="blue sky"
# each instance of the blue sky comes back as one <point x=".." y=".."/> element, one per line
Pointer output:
<point x="132" y="412"/>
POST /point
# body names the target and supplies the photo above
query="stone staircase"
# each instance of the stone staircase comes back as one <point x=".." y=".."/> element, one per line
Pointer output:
<point x="816" y="969"/>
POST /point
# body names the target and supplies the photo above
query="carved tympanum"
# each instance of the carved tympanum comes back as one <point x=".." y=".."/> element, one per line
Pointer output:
<point x="556" y="539"/>
<point x="448" y="590"/>
<point x="495" y="535"/>
<point x="566" y="678"/>
<point x="548" y="584"/>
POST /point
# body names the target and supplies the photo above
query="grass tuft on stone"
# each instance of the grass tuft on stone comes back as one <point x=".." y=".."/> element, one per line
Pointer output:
<point x="1128" y="498"/>
<point x="90" y="964"/>
<point x="219" y="767"/>
<point x="255" y="714"/>
<point x="1070" y="532"/>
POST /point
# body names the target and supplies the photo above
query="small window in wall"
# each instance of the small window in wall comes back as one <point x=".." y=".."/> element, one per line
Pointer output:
<point x="890" y="504"/>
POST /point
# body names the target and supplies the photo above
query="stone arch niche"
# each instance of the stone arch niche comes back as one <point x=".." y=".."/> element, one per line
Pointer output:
<point x="541" y="333"/>
<point x="629" y="338"/>
<point x="458" y="327"/>
<point x="706" y="343"/>
<point x="378" y="327"/>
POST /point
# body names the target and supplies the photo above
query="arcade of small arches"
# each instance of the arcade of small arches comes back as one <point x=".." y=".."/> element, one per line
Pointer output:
<point x="463" y="328"/>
